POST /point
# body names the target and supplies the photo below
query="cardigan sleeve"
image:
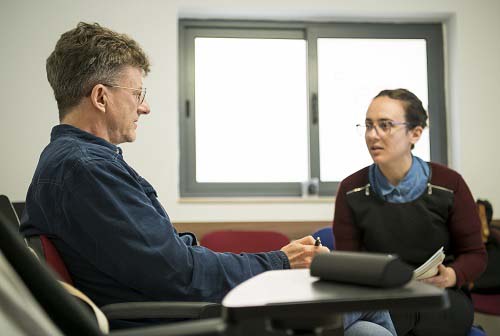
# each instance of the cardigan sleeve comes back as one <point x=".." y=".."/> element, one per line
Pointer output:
<point x="346" y="233"/>
<point x="465" y="230"/>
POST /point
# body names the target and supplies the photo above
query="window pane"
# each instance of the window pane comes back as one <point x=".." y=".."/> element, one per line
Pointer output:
<point x="351" y="72"/>
<point x="251" y="110"/>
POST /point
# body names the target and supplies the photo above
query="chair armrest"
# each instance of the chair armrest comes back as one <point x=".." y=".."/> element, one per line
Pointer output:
<point x="208" y="327"/>
<point x="172" y="310"/>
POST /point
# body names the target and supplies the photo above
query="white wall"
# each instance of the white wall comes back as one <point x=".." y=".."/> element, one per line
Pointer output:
<point x="30" y="29"/>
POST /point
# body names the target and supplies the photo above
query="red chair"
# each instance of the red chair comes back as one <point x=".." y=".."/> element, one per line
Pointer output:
<point x="488" y="307"/>
<point x="244" y="241"/>
<point x="486" y="303"/>
<point x="44" y="248"/>
<point x="41" y="245"/>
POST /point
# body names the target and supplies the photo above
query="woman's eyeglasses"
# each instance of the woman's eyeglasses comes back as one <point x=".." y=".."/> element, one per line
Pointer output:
<point x="382" y="127"/>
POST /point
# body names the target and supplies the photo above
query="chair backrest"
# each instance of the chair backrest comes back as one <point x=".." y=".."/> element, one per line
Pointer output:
<point x="64" y="310"/>
<point x="20" y="313"/>
<point x="41" y="245"/>
<point x="19" y="207"/>
<point x="45" y="250"/>
<point x="326" y="236"/>
<point x="8" y="210"/>
<point x="244" y="241"/>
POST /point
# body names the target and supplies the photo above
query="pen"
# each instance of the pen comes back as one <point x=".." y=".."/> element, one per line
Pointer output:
<point x="317" y="242"/>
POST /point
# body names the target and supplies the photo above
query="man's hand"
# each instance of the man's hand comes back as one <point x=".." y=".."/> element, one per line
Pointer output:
<point x="300" y="252"/>
<point x="445" y="278"/>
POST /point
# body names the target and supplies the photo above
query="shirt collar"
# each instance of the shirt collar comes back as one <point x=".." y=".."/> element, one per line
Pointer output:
<point x="68" y="130"/>
<point x="418" y="172"/>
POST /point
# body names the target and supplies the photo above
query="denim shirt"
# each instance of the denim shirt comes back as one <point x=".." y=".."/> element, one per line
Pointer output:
<point x="115" y="238"/>
<point x="410" y="187"/>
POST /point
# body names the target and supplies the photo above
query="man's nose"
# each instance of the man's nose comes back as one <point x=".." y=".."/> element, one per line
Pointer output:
<point x="144" y="108"/>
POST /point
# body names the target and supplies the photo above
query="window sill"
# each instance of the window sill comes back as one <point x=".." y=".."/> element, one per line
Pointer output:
<point x="256" y="200"/>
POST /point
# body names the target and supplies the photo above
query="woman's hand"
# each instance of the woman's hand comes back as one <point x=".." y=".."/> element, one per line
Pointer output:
<point x="445" y="278"/>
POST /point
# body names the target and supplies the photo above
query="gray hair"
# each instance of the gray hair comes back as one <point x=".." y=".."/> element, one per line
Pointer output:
<point x="86" y="56"/>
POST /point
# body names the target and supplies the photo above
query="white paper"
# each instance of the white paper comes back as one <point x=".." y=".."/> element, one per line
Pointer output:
<point x="430" y="267"/>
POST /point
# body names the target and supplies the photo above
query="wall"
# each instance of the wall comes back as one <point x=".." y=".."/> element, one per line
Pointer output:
<point x="31" y="28"/>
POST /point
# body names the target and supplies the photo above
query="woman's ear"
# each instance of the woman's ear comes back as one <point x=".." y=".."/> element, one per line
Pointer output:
<point x="98" y="97"/>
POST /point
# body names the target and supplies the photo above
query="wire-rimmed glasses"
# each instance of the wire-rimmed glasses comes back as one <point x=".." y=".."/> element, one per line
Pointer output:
<point x="140" y="96"/>
<point x="383" y="127"/>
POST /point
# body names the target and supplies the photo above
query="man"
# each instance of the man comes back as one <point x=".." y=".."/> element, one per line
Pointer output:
<point x="104" y="219"/>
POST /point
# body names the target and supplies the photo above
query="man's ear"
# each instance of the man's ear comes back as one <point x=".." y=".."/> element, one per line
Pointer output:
<point x="415" y="134"/>
<point x="98" y="97"/>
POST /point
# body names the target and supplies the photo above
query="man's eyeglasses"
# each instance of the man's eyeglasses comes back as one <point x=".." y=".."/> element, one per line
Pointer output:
<point x="382" y="127"/>
<point x="141" y="93"/>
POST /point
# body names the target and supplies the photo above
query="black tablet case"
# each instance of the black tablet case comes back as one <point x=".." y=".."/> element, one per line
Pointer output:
<point x="361" y="268"/>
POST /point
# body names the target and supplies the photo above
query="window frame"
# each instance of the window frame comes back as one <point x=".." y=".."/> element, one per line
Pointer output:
<point x="310" y="32"/>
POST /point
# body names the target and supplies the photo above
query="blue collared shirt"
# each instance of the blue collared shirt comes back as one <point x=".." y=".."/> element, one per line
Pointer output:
<point x="410" y="187"/>
<point x="114" y="236"/>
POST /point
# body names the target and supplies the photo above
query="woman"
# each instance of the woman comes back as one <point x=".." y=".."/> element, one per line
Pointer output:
<point x="403" y="205"/>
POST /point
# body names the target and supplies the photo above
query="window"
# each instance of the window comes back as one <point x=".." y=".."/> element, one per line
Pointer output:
<point x="267" y="106"/>
<point x="244" y="89"/>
